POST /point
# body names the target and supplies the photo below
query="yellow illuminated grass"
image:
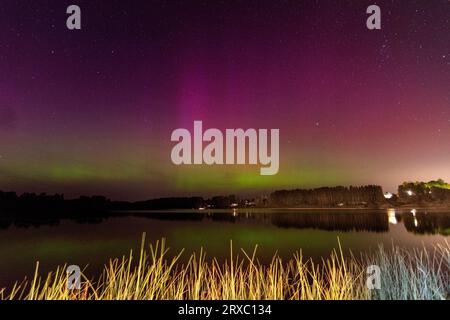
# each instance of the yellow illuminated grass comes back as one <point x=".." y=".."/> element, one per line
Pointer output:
<point x="152" y="275"/>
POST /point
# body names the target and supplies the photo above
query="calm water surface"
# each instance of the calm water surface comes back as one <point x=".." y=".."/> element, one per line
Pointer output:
<point x="315" y="232"/>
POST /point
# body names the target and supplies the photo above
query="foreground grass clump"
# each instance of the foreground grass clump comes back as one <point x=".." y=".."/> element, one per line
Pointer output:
<point x="153" y="275"/>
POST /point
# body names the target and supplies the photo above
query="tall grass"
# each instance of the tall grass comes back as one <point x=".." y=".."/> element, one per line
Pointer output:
<point x="414" y="275"/>
<point x="153" y="275"/>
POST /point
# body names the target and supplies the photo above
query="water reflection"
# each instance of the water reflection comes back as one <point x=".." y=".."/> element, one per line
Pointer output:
<point x="392" y="216"/>
<point x="427" y="222"/>
<point x="415" y="221"/>
<point x="334" y="221"/>
<point x="373" y="221"/>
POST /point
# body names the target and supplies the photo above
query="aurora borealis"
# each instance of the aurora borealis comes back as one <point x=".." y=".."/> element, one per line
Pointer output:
<point x="91" y="111"/>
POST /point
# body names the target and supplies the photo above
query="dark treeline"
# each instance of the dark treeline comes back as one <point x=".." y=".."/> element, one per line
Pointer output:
<point x="11" y="202"/>
<point x="30" y="209"/>
<point x="365" y="196"/>
<point x="159" y="204"/>
<point x="433" y="192"/>
<point x="218" y="202"/>
<point x="51" y="205"/>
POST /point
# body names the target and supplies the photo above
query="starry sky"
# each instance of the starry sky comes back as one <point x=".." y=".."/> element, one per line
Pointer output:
<point x="91" y="111"/>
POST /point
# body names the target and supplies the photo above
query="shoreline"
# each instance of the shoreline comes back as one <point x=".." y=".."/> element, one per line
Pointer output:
<point x="290" y="209"/>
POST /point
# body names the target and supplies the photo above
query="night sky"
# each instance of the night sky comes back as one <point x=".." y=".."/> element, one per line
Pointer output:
<point x="91" y="111"/>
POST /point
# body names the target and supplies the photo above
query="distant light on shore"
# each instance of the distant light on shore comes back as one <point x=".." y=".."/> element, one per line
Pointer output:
<point x="388" y="195"/>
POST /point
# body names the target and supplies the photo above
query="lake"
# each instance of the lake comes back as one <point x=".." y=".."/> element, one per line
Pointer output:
<point x="284" y="231"/>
